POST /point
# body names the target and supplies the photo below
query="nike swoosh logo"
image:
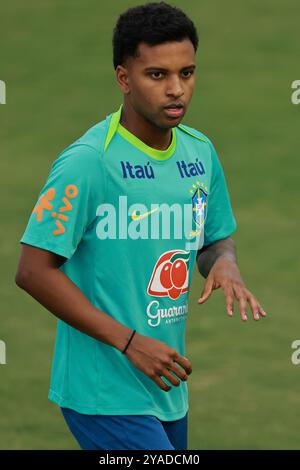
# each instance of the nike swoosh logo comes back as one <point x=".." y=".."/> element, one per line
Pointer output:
<point x="134" y="216"/>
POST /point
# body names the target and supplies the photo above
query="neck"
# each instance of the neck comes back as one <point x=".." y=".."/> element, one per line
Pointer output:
<point x="150" y="134"/>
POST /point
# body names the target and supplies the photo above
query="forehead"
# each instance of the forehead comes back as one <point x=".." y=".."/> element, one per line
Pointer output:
<point x="174" y="54"/>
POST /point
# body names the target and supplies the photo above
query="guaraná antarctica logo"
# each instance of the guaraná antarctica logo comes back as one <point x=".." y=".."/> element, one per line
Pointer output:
<point x="169" y="279"/>
<point x="170" y="275"/>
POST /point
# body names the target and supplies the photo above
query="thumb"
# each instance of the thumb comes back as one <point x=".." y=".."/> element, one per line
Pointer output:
<point x="207" y="290"/>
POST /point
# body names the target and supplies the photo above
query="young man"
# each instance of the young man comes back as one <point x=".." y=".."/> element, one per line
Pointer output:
<point x="104" y="251"/>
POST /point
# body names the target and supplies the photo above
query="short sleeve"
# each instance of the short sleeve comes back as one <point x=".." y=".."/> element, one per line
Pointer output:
<point x="220" y="221"/>
<point x="68" y="201"/>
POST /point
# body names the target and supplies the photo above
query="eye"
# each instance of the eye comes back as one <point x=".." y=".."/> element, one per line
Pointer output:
<point x="156" y="75"/>
<point x="187" y="73"/>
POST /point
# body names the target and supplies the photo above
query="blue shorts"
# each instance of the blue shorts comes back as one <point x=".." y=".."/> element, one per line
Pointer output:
<point x="123" y="432"/>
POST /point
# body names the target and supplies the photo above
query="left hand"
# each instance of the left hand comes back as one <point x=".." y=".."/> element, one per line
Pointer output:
<point x="225" y="273"/>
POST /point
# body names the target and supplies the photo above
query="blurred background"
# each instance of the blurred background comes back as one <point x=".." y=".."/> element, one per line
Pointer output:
<point x="56" y="60"/>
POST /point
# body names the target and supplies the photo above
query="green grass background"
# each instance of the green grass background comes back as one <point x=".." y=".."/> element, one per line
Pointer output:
<point x="56" y="59"/>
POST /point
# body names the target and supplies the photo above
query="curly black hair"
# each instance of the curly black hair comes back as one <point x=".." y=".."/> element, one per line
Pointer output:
<point x="152" y="23"/>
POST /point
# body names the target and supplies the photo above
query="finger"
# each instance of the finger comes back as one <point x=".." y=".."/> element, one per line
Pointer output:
<point x="239" y="295"/>
<point x="178" y="371"/>
<point x="258" y="308"/>
<point x="183" y="362"/>
<point x="207" y="290"/>
<point x="229" y="295"/>
<point x="254" y="306"/>
<point x="261" y="311"/>
<point x="161" y="383"/>
<point x="171" y="377"/>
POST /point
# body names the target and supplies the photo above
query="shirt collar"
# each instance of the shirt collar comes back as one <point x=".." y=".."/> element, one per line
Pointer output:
<point x="115" y="126"/>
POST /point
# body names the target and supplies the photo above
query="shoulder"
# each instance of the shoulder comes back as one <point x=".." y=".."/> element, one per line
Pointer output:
<point x="94" y="137"/>
<point x="77" y="158"/>
<point x="193" y="133"/>
<point x="196" y="137"/>
<point x="84" y="154"/>
<point x="205" y="140"/>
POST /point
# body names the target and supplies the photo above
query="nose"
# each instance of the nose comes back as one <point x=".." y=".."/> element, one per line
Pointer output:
<point x="174" y="87"/>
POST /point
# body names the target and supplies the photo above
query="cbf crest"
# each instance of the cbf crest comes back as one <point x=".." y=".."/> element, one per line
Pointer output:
<point x="199" y="203"/>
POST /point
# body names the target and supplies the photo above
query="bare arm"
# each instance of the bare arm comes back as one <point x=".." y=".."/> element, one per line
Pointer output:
<point x="208" y="255"/>
<point x="39" y="274"/>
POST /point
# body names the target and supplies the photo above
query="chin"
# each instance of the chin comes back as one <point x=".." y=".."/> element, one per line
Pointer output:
<point x="173" y="123"/>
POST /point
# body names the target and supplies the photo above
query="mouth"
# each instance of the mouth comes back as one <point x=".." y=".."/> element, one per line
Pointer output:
<point x="174" y="110"/>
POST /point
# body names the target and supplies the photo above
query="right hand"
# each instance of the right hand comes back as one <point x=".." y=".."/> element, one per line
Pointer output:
<point x="155" y="358"/>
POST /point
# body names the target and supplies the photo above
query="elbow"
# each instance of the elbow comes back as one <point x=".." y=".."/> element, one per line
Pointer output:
<point x="22" y="278"/>
<point x="19" y="278"/>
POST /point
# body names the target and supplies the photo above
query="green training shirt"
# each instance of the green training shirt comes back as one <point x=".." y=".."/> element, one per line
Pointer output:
<point x="129" y="220"/>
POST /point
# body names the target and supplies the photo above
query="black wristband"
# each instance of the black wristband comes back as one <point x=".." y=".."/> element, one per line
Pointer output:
<point x="123" y="352"/>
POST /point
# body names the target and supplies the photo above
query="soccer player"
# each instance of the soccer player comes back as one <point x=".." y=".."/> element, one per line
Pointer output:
<point x="108" y="251"/>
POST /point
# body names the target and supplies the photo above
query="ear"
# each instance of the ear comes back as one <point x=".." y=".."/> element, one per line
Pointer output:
<point x="122" y="79"/>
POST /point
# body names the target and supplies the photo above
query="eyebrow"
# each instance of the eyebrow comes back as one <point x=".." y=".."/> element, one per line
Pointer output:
<point x="161" y="69"/>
